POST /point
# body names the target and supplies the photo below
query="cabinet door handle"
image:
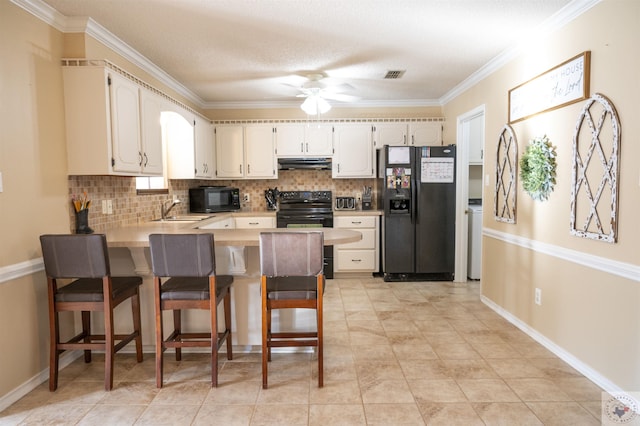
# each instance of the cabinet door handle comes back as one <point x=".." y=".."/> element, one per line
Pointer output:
<point x="356" y="223"/>
<point x="405" y="139"/>
<point x="140" y="158"/>
<point x="356" y="260"/>
<point x="307" y="146"/>
<point x="248" y="169"/>
<point x="240" y="168"/>
<point x="254" y="223"/>
<point x="146" y="159"/>
<point x="301" y="146"/>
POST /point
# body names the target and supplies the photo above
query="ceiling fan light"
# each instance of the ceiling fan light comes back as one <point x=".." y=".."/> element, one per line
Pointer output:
<point x="315" y="105"/>
<point x="323" y="105"/>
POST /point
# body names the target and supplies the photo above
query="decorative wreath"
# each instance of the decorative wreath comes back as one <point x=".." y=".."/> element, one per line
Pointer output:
<point x="538" y="168"/>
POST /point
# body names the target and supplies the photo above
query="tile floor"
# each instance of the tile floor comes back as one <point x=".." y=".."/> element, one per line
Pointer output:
<point x="395" y="353"/>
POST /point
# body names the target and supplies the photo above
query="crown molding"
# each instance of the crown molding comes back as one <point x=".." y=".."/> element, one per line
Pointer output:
<point x="336" y="104"/>
<point x="73" y="25"/>
<point x="558" y="20"/>
<point x="87" y="25"/>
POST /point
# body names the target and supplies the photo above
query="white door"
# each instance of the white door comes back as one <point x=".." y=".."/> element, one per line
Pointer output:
<point x="259" y="152"/>
<point x="150" y="112"/>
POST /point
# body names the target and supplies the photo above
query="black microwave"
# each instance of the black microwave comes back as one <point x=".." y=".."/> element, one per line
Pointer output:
<point x="213" y="199"/>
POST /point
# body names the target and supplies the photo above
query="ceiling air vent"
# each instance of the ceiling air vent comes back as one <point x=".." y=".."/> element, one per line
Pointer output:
<point x="393" y="74"/>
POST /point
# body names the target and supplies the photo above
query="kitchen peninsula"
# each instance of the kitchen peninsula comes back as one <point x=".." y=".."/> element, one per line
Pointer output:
<point x="230" y="243"/>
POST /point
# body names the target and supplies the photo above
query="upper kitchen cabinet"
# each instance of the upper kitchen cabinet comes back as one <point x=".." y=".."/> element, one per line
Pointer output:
<point x="112" y="124"/>
<point x="304" y="140"/>
<point x="229" y="151"/>
<point x="354" y="152"/>
<point x="428" y="133"/>
<point x="189" y="141"/>
<point x="392" y="134"/>
<point x="475" y="129"/>
<point x="245" y="152"/>
<point x="259" y="152"/>
<point x="205" y="161"/>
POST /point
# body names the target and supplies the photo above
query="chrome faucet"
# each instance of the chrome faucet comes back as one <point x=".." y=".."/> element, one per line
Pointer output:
<point x="164" y="210"/>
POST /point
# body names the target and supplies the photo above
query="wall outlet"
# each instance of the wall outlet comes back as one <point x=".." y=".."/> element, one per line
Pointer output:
<point x="104" y="206"/>
<point x="109" y="206"/>
<point x="245" y="198"/>
<point x="538" y="296"/>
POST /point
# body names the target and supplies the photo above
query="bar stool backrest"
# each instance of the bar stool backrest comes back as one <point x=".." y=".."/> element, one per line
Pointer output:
<point x="182" y="255"/>
<point x="75" y="255"/>
<point x="291" y="254"/>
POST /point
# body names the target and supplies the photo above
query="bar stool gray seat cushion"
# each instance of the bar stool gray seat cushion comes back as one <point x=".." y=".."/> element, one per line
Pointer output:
<point x="91" y="290"/>
<point x="194" y="288"/>
<point x="292" y="288"/>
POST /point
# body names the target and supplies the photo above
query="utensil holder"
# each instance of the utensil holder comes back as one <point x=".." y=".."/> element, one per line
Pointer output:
<point x="82" y="222"/>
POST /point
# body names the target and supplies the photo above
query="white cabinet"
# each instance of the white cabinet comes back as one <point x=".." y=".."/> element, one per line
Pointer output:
<point x="392" y="134"/>
<point x="229" y="151"/>
<point x="255" y="222"/>
<point x="189" y="141"/>
<point x="475" y="129"/>
<point x="354" y="153"/>
<point x="245" y="152"/>
<point x="226" y="223"/>
<point x="428" y="133"/>
<point x="204" y="157"/>
<point x="112" y="124"/>
<point x="259" y="152"/>
<point x="125" y="124"/>
<point x="360" y="256"/>
<point x="304" y="140"/>
<point x="151" y="107"/>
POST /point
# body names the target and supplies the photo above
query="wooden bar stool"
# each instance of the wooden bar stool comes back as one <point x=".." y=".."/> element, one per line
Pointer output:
<point x="188" y="263"/>
<point x="85" y="260"/>
<point x="291" y="267"/>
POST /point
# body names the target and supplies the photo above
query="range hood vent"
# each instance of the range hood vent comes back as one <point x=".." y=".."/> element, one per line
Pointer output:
<point x="304" y="163"/>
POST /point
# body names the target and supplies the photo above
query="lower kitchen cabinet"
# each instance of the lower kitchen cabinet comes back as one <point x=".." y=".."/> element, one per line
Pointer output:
<point x="255" y="222"/>
<point x="361" y="256"/>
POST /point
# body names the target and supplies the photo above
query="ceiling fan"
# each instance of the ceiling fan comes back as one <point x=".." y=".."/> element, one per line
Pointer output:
<point x="316" y="93"/>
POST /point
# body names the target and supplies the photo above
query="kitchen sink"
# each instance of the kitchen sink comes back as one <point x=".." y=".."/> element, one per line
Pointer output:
<point x="184" y="218"/>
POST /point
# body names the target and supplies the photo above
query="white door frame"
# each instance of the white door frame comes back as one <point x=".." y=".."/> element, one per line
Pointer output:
<point x="462" y="191"/>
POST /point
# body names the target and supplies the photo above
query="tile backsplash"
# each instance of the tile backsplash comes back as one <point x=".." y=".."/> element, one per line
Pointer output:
<point x="131" y="208"/>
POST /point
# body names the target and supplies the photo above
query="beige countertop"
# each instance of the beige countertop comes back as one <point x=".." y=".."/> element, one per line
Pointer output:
<point x="138" y="235"/>
<point x="357" y="212"/>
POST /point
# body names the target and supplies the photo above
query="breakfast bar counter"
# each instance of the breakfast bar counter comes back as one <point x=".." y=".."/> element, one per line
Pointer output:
<point x="237" y="254"/>
<point x="138" y="235"/>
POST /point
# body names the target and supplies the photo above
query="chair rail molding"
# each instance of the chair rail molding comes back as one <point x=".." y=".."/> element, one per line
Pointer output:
<point x="614" y="267"/>
<point x="17" y="270"/>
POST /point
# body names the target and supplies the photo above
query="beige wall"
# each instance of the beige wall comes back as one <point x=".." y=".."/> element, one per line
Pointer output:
<point x="34" y="198"/>
<point x="592" y="315"/>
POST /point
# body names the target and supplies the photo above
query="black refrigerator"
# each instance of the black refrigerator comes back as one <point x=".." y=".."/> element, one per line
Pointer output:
<point x="418" y="195"/>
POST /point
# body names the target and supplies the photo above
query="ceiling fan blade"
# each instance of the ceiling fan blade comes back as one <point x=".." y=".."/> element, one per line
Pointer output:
<point x="340" y="97"/>
<point x="339" y="88"/>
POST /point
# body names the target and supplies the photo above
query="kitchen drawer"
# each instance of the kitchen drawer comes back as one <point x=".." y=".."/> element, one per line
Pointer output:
<point x="220" y="224"/>
<point x="354" y="221"/>
<point x="255" y="222"/>
<point x="355" y="260"/>
<point x="368" y="240"/>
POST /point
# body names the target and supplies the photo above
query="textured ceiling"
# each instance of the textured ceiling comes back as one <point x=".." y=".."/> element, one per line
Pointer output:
<point x="256" y="52"/>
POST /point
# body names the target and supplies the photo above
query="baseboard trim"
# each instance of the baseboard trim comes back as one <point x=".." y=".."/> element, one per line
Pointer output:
<point x="560" y="352"/>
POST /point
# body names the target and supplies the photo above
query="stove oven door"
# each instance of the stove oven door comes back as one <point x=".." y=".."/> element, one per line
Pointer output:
<point x="306" y="221"/>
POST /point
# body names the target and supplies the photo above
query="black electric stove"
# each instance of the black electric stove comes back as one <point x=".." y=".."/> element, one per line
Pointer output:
<point x="308" y="209"/>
